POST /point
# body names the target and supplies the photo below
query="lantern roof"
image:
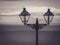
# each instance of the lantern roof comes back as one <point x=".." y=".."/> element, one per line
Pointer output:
<point x="49" y="13"/>
<point x="24" y="12"/>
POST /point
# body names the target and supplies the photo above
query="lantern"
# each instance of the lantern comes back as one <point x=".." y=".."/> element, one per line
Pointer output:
<point x="24" y="16"/>
<point x="48" y="16"/>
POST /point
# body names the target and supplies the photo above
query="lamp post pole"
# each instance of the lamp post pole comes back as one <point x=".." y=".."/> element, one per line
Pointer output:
<point x="37" y="28"/>
<point x="36" y="36"/>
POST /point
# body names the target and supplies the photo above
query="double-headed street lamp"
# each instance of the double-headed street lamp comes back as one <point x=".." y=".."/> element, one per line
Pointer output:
<point x="48" y="17"/>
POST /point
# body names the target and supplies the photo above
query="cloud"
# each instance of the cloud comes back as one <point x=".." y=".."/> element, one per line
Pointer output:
<point x="9" y="0"/>
<point x="50" y="3"/>
<point x="30" y="0"/>
<point x="30" y="9"/>
<point x="31" y="5"/>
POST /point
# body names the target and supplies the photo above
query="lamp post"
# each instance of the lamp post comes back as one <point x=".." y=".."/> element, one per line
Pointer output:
<point x="36" y="26"/>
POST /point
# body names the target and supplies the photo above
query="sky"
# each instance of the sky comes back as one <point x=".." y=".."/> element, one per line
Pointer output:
<point x="35" y="7"/>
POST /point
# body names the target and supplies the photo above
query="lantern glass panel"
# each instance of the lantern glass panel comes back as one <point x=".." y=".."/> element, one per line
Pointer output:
<point x="24" y="18"/>
<point x="50" y="18"/>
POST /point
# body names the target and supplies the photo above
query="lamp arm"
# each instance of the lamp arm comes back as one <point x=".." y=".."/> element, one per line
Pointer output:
<point x="34" y="25"/>
<point x="42" y="26"/>
<point x="31" y="25"/>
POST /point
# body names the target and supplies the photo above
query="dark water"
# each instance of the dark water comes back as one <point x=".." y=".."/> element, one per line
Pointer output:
<point x="28" y="37"/>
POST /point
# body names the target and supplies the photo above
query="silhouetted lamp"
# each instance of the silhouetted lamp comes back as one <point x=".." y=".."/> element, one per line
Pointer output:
<point x="24" y="16"/>
<point x="48" y="16"/>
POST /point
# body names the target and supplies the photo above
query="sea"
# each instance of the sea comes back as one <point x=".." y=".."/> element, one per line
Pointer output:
<point x="24" y="35"/>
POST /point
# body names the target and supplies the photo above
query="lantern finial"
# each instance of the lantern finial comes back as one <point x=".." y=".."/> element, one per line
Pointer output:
<point x="24" y="9"/>
<point x="48" y="10"/>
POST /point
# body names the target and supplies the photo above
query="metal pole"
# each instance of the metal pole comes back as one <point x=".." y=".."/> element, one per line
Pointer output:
<point x="37" y="28"/>
<point x="36" y="36"/>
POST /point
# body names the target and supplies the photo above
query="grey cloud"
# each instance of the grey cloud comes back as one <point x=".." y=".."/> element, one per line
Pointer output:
<point x="58" y="14"/>
<point x="54" y="3"/>
<point x="31" y="0"/>
<point x="11" y="0"/>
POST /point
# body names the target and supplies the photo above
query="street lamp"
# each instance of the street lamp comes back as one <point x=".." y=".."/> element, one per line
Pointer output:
<point x="48" y="16"/>
<point x="24" y="16"/>
<point x="36" y="26"/>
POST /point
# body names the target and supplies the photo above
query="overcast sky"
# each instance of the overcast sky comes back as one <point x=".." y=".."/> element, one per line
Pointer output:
<point x="14" y="7"/>
<point x="11" y="6"/>
<point x="45" y="2"/>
